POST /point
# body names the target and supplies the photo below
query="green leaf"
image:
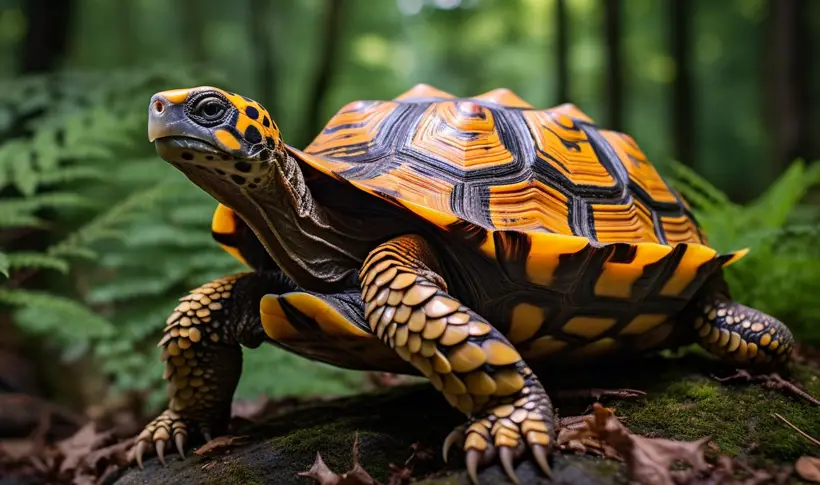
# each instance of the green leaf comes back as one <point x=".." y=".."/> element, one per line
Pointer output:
<point x="4" y="265"/>
<point x="26" y="259"/>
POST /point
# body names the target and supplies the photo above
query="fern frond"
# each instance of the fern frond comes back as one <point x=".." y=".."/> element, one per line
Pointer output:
<point x="63" y="318"/>
<point x="27" y="259"/>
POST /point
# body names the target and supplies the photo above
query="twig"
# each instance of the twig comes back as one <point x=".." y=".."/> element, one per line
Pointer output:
<point x="813" y="440"/>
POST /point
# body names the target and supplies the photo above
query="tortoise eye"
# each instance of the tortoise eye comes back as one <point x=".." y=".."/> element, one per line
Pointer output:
<point x="210" y="108"/>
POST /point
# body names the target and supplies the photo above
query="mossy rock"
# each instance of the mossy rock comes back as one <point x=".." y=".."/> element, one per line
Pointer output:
<point x="683" y="402"/>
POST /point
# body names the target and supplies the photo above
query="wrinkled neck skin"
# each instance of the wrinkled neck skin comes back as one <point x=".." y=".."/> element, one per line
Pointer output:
<point x="321" y="249"/>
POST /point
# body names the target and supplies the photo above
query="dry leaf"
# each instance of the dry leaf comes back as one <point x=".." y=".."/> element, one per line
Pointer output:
<point x="218" y="442"/>
<point x="808" y="467"/>
<point x="77" y="447"/>
<point x="322" y="475"/>
<point x="647" y="459"/>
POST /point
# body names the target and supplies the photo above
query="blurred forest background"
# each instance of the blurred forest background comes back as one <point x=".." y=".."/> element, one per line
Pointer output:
<point x="100" y="237"/>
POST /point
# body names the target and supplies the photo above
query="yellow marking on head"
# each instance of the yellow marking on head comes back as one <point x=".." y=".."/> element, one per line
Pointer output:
<point x="774" y="344"/>
<point x="757" y="326"/>
<point x="525" y="322"/>
<point x="227" y="139"/>
<point x="752" y="349"/>
<point x="588" y="327"/>
<point x="598" y="347"/>
<point x="543" y="346"/>
<point x="644" y="323"/>
<point x="274" y="321"/>
<point x="736" y="256"/>
<point x="176" y="96"/>
<point x="713" y="336"/>
<point x="544" y="254"/>
<point x="704" y="330"/>
<point x="765" y="339"/>
<point x="695" y="256"/>
<point x="617" y="279"/>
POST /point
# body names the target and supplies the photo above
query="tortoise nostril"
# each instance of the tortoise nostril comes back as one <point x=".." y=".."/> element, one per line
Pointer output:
<point x="159" y="107"/>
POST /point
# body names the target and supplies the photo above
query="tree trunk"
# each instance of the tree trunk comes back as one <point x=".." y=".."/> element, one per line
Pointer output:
<point x="191" y="24"/>
<point x="683" y="119"/>
<point x="264" y="57"/>
<point x="328" y="56"/>
<point x="46" y="41"/>
<point x="789" y="65"/>
<point x="562" y="51"/>
<point x="614" y="79"/>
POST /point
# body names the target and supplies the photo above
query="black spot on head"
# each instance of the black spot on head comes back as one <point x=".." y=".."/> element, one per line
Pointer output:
<point x="225" y="158"/>
<point x="253" y="135"/>
<point x="244" y="167"/>
<point x="238" y="179"/>
<point x="252" y="112"/>
<point x="264" y="154"/>
<point x="266" y="122"/>
<point x="187" y="156"/>
<point x="209" y="157"/>
<point x="219" y="171"/>
<point x="270" y="142"/>
<point x="257" y="180"/>
<point x="251" y="186"/>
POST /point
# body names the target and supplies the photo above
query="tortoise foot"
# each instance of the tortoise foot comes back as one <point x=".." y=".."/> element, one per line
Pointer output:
<point x="770" y="381"/>
<point x="159" y="433"/>
<point x="505" y="432"/>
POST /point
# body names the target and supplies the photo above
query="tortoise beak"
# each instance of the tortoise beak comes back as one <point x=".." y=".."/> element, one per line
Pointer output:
<point x="159" y="115"/>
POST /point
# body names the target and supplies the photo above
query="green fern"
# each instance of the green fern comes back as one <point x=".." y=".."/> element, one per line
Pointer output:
<point x="779" y="275"/>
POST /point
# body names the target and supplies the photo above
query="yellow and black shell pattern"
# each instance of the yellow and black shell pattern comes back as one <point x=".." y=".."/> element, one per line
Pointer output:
<point x="494" y="163"/>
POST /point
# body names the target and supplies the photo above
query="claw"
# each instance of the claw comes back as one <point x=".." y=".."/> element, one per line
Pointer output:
<point x="160" y="446"/>
<point x="506" y="455"/>
<point x="139" y="452"/>
<point x="455" y="436"/>
<point x="539" y="452"/>
<point x="179" y="441"/>
<point x="472" y="459"/>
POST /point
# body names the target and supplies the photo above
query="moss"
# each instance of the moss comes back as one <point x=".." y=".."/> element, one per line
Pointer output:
<point x="233" y="473"/>
<point x="739" y="418"/>
<point x="682" y="402"/>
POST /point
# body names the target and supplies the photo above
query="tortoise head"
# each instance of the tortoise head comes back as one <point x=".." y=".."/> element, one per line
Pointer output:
<point x="216" y="137"/>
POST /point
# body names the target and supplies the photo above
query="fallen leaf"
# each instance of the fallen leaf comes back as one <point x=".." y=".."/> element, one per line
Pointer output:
<point x="647" y="459"/>
<point x="808" y="467"/>
<point x="218" y="442"/>
<point x="322" y="475"/>
<point x="78" y="446"/>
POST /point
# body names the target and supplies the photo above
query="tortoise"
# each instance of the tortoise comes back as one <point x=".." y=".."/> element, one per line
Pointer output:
<point x="462" y="239"/>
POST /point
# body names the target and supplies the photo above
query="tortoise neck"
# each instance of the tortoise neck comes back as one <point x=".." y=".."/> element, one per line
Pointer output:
<point x="314" y="245"/>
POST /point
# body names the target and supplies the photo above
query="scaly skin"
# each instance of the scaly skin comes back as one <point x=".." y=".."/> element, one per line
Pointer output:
<point x="476" y="368"/>
<point x="204" y="359"/>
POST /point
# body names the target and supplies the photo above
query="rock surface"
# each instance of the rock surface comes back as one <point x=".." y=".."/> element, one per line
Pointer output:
<point x="683" y="402"/>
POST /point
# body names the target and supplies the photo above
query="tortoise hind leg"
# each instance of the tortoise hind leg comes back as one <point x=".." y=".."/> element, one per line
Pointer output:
<point x="476" y="368"/>
<point x="742" y="335"/>
<point x="747" y="338"/>
<point x="201" y="348"/>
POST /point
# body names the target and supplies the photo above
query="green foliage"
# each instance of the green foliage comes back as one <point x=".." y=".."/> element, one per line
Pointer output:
<point x="779" y="275"/>
<point x="100" y="236"/>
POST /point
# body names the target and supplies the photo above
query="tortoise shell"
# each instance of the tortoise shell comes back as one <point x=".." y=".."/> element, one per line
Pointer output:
<point x="495" y="162"/>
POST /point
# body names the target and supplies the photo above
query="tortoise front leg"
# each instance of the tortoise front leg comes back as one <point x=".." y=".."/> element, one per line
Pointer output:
<point x="476" y="368"/>
<point x="203" y="358"/>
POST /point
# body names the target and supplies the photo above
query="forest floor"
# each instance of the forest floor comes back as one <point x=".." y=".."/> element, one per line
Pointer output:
<point x="747" y="433"/>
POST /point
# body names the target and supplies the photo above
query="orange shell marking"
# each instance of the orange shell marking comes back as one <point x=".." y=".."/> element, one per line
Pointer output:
<point x="504" y="97"/>
<point x="461" y="133"/>
<point x="554" y="134"/>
